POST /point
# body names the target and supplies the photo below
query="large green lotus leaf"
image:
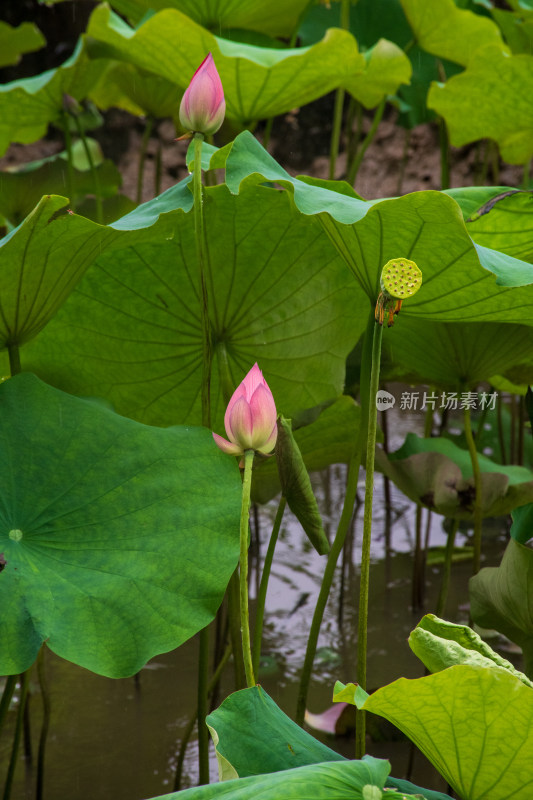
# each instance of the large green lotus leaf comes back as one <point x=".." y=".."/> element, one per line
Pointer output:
<point x="137" y="91"/>
<point x="15" y="41"/>
<point x="349" y="780"/>
<point x="22" y="188"/>
<point x="330" y="439"/>
<point x="498" y="87"/>
<point x="258" y="82"/>
<point x="450" y="32"/>
<point x="27" y="106"/>
<point x="279" y="295"/>
<point x="272" y="17"/>
<point x="440" y="644"/>
<point x="438" y="474"/>
<point x="456" y="355"/>
<point x="502" y="598"/>
<point x="252" y="735"/>
<point x="475" y="725"/>
<point x="119" y="539"/>
<point x="427" y="227"/>
<point x="387" y="67"/>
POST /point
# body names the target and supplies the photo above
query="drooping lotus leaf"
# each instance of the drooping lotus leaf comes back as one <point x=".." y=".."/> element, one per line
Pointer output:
<point x="252" y="735"/>
<point x="279" y="295"/>
<point x="438" y="474"/>
<point x="349" y="780"/>
<point x="258" y="82"/>
<point x="440" y="644"/>
<point x="119" y="539"/>
<point x="502" y="598"/>
<point x="330" y="439"/>
<point x="272" y="17"/>
<point x="387" y="67"/>
<point x="22" y="188"/>
<point x="450" y="32"/>
<point x="15" y="41"/>
<point x="137" y="91"/>
<point x="456" y="355"/>
<point x="498" y="86"/>
<point x="27" y="106"/>
<point x="475" y="725"/>
<point x="461" y="280"/>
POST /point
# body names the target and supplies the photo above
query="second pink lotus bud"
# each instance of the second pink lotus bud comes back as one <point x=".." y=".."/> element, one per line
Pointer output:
<point x="203" y="106"/>
<point x="250" y="418"/>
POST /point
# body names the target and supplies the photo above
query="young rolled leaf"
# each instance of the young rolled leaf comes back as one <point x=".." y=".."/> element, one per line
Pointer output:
<point x="329" y="439"/>
<point x="440" y="644"/>
<point x="296" y="486"/>
<point x="119" y="539"/>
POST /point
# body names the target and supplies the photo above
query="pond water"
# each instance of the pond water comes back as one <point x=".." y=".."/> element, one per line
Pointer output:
<point x="119" y="738"/>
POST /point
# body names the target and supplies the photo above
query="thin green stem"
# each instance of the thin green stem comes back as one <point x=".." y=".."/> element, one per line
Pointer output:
<point x="526" y="174"/>
<point x="41" y="672"/>
<point x="142" y="156"/>
<point x="158" y="169"/>
<point x="450" y="543"/>
<point x="336" y="132"/>
<point x="360" y="733"/>
<point x="68" y="147"/>
<point x="245" y="516"/>
<point x="235" y="630"/>
<point x="94" y="171"/>
<point x="202" y="263"/>
<point x="344" y="23"/>
<point x="203" y="733"/>
<point x="294" y="35"/>
<point x="24" y="683"/>
<point x="327" y="579"/>
<point x="342" y="528"/>
<point x="14" y="358"/>
<point x="263" y="586"/>
<point x="7" y="694"/>
<point x="267" y="132"/>
<point x="192" y="722"/>
<point x="444" y="155"/>
<point x="476" y="472"/>
<point x="354" y="167"/>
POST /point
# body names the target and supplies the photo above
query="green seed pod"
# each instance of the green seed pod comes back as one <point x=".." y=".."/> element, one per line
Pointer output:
<point x="296" y="486"/>
<point x="400" y="278"/>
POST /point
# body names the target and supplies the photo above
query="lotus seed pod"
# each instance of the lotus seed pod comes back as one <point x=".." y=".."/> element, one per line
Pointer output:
<point x="400" y="278"/>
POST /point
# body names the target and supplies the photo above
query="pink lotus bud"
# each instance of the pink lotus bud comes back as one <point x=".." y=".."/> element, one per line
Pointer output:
<point x="203" y="106"/>
<point x="250" y="418"/>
